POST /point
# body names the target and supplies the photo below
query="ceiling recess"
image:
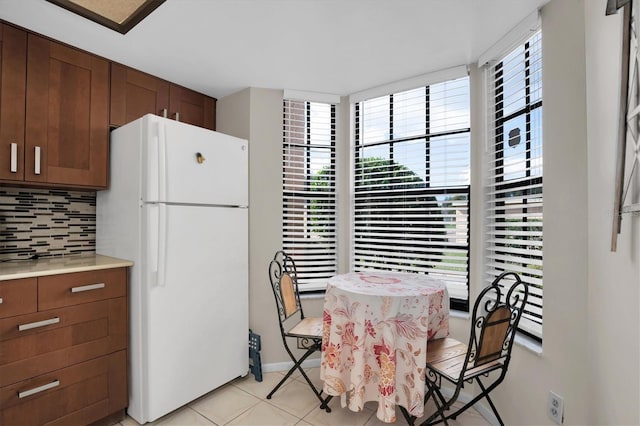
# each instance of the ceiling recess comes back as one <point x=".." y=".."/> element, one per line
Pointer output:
<point x="118" y="15"/>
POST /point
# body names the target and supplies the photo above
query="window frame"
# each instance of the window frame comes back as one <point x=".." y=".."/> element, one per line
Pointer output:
<point x="359" y="144"/>
<point x="530" y="186"/>
<point x="314" y="265"/>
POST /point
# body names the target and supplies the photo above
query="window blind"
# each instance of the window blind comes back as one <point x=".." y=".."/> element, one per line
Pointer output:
<point x="309" y="191"/>
<point x="411" y="184"/>
<point x="514" y="223"/>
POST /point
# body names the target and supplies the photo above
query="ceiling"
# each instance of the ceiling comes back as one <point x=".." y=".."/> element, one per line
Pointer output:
<point x="339" y="47"/>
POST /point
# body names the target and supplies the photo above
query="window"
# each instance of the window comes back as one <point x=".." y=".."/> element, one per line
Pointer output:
<point x="513" y="232"/>
<point x="308" y="191"/>
<point x="411" y="184"/>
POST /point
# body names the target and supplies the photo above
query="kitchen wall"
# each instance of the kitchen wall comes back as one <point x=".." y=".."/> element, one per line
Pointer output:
<point x="46" y="222"/>
<point x="590" y="354"/>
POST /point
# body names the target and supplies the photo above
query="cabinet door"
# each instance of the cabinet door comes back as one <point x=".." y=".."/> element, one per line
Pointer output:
<point x="13" y="70"/>
<point x="192" y="107"/>
<point x="67" y="128"/>
<point x="134" y="94"/>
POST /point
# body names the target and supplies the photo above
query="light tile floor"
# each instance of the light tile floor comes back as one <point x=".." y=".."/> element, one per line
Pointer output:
<point x="243" y="402"/>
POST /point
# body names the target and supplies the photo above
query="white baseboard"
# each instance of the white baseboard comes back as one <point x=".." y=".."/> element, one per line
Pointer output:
<point x="285" y="366"/>
<point x="463" y="397"/>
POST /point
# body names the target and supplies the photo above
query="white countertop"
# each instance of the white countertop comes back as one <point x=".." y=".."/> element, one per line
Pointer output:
<point x="58" y="265"/>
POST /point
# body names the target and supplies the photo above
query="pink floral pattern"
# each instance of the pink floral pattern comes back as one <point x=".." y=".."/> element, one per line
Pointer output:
<point x="375" y="330"/>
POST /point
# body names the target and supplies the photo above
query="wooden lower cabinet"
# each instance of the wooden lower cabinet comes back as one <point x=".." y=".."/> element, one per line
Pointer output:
<point x="80" y="394"/>
<point x="66" y="362"/>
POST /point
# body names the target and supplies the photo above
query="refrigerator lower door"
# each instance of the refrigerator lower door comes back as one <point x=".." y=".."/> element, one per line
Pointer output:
<point x="196" y="319"/>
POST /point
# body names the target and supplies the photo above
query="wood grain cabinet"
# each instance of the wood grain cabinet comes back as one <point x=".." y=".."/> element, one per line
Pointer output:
<point x="54" y="113"/>
<point x="13" y="72"/>
<point x="67" y="130"/>
<point x="134" y="94"/>
<point x="64" y="348"/>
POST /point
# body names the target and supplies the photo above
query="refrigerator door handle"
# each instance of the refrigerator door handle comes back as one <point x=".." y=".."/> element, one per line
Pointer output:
<point x="162" y="244"/>
<point x="162" y="160"/>
<point x="157" y="223"/>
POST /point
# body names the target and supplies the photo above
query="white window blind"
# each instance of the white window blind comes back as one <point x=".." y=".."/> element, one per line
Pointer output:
<point x="411" y="184"/>
<point x="514" y="225"/>
<point x="309" y="191"/>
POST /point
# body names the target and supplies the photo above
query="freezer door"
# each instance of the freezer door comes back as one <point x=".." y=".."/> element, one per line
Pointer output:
<point x="197" y="313"/>
<point x="191" y="165"/>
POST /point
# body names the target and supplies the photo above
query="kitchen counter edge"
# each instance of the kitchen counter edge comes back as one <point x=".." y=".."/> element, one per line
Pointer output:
<point x="59" y="265"/>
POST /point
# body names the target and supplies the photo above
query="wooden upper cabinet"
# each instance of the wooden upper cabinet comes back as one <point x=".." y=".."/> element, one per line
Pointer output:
<point x="134" y="94"/>
<point x="192" y="107"/>
<point x="13" y="71"/>
<point x="67" y="117"/>
<point x="67" y="130"/>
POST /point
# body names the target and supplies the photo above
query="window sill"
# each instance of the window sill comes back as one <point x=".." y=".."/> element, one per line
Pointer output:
<point x="528" y="343"/>
<point x="311" y="295"/>
<point x="453" y="313"/>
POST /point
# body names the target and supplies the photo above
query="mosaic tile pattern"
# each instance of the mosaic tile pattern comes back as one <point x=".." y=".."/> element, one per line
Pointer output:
<point x="46" y="222"/>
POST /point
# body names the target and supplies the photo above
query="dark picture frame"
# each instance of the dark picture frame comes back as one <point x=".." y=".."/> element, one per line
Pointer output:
<point x="628" y="132"/>
<point x="131" y="21"/>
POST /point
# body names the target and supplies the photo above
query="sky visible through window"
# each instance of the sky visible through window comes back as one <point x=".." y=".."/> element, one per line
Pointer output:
<point x="448" y="110"/>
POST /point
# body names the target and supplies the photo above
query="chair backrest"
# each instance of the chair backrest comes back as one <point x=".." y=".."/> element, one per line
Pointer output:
<point x="495" y="320"/>
<point x="284" y="283"/>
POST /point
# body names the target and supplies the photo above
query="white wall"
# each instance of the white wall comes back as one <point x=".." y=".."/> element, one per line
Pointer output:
<point x="562" y="365"/>
<point x="614" y="278"/>
<point x="590" y="355"/>
<point x="256" y="114"/>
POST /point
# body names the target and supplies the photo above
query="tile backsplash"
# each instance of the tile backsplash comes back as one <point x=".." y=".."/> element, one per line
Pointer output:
<point x="46" y="222"/>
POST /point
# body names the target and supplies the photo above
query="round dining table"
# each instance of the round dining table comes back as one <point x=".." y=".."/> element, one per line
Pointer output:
<point x="376" y="328"/>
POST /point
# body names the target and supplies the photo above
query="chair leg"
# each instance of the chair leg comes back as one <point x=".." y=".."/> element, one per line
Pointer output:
<point x="484" y="394"/>
<point x="325" y="404"/>
<point x="441" y="406"/>
<point x="298" y="366"/>
<point x="408" y="417"/>
<point x="290" y="372"/>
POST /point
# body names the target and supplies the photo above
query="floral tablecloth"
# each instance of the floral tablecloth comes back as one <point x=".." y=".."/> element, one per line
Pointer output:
<point x="376" y="325"/>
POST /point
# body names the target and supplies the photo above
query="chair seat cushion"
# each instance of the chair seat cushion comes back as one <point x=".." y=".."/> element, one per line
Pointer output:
<point x="308" y="327"/>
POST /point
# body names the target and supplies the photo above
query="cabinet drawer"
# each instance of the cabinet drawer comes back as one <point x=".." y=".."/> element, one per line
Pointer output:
<point x="79" y="394"/>
<point x="18" y="297"/>
<point x="56" y="291"/>
<point x="58" y="338"/>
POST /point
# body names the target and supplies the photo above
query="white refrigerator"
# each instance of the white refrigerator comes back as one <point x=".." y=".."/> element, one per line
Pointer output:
<point x="177" y="206"/>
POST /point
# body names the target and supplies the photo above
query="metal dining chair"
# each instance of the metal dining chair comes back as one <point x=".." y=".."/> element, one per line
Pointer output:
<point x="307" y="331"/>
<point x="493" y="327"/>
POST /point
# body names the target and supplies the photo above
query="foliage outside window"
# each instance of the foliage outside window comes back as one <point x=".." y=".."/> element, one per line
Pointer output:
<point x="411" y="184"/>
<point x="308" y="191"/>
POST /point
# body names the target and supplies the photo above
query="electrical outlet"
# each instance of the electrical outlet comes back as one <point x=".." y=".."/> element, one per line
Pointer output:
<point x="555" y="408"/>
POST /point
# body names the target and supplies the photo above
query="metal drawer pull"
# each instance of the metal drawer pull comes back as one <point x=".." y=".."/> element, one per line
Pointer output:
<point x="0" y="300"/>
<point x="87" y="287"/>
<point x="37" y="324"/>
<point x="14" y="158"/>
<point x="42" y="388"/>
<point x="36" y="168"/>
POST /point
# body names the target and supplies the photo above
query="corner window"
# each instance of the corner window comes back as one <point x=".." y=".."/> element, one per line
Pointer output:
<point x="514" y="225"/>
<point x="411" y="184"/>
<point x="309" y="191"/>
